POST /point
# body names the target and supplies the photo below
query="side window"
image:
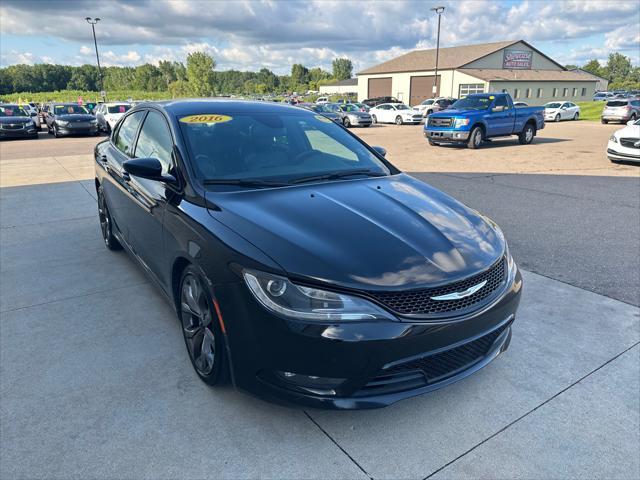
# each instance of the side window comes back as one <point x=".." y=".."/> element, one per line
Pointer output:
<point x="155" y="140"/>
<point x="502" y="102"/>
<point x="126" y="134"/>
<point x="324" y="143"/>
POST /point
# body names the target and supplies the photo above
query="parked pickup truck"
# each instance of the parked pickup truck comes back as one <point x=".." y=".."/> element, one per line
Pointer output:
<point x="483" y="116"/>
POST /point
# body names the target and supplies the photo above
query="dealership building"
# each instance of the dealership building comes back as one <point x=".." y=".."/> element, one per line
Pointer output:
<point x="343" y="87"/>
<point x="515" y="67"/>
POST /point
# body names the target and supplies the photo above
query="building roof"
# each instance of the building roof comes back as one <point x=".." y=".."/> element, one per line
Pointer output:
<point x="349" y="82"/>
<point x="589" y="73"/>
<point x="449" y="58"/>
<point x="527" y="75"/>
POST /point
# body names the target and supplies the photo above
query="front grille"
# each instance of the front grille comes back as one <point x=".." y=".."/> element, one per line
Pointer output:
<point x="430" y="369"/>
<point x="440" y="122"/>
<point x="419" y="302"/>
<point x="13" y="126"/>
<point x="629" y="142"/>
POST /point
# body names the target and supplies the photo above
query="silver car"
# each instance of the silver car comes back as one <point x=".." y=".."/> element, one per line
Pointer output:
<point x="350" y="115"/>
<point x="621" y="110"/>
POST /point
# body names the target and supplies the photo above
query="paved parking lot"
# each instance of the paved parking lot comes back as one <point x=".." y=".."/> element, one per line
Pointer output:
<point x="95" y="381"/>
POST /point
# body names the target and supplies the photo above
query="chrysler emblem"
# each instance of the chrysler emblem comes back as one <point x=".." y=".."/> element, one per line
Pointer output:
<point x="459" y="295"/>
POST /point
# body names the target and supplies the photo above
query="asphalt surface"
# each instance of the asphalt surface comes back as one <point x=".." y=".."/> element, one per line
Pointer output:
<point x="95" y="381"/>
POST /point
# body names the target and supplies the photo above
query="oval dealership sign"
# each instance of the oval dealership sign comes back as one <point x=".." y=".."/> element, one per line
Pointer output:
<point x="517" y="59"/>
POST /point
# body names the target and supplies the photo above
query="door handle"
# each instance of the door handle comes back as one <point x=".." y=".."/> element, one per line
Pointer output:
<point x="125" y="176"/>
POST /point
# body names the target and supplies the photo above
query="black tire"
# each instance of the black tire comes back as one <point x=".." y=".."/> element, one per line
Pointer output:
<point x="346" y="122"/>
<point x="398" y="120"/>
<point x="432" y="143"/>
<point x="429" y="112"/>
<point x="475" y="138"/>
<point x="526" y="135"/>
<point x="201" y="330"/>
<point x="56" y="133"/>
<point x="633" y="117"/>
<point x="49" y="131"/>
<point x="604" y="121"/>
<point x="576" y="116"/>
<point x="106" y="223"/>
<point x="557" y="119"/>
<point x="374" y="119"/>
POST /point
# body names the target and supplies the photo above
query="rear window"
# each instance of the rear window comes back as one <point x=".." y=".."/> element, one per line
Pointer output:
<point x="616" y="104"/>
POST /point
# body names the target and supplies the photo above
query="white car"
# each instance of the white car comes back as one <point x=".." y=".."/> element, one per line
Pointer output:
<point x="322" y="100"/>
<point x="556" y="111"/>
<point x="108" y="114"/>
<point x="33" y="113"/>
<point x="397" y="113"/>
<point x="431" y="105"/>
<point x="624" y="144"/>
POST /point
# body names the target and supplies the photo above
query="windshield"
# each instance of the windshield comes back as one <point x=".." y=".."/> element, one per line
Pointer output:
<point x="118" y="108"/>
<point x="401" y="107"/>
<point x="322" y="108"/>
<point x="350" y="108"/>
<point x="617" y="104"/>
<point x="553" y="105"/>
<point x="12" y="111"/>
<point x="69" y="109"/>
<point x="427" y="102"/>
<point x="275" y="146"/>
<point x="473" y="103"/>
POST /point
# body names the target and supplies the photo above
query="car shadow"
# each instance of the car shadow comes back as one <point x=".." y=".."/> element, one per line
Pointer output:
<point x="505" y="142"/>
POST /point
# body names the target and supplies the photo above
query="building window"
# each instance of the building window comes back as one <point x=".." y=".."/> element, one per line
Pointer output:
<point x="539" y="93"/>
<point x="575" y="92"/>
<point x="516" y="93"/>
<point x="504" y="90"/>
<point x="565" y="92"/>
<point x="555" y="93"/>
<point x="469" y="88"/>
<point x="584" y="92"/>
<point x="528" y="93"/>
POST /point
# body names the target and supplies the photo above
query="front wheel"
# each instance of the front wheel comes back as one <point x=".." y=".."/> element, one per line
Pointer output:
<point x="432" y="143"/>
<point x="106" y="224"/>
<point x="604" y="121"/>
<point x="475" y="139"/>
<point x="374" y="119"/>
<point x="201" y="329"/>
<point x="576" y="116"/>
<point x="56" y="132"/>
<point x="398" y="120"/>
<point x="527" y="134"/>
<point x="632" y="118"/>
<point x="557" y="119"/>
<point x="346" y="122"/>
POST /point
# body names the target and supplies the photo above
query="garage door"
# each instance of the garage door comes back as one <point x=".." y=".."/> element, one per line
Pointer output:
<point x="422" y="88"/>
<point x="379" y="87"/>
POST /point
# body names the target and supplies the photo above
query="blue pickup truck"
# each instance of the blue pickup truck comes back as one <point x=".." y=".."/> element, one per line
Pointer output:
<point x="482" y="116"/>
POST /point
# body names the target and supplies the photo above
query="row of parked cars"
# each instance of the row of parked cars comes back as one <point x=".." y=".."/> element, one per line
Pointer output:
<point x="60" y="119"/>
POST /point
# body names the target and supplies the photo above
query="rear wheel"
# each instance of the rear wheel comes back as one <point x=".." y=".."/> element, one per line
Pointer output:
<point x="527" y="134"/>
<point x="201" y="329"/>
<point x="106" y="224"/>
<point x="604" y="121"/>
<point x="475" y="139"/>
<point x="398" y="120"/>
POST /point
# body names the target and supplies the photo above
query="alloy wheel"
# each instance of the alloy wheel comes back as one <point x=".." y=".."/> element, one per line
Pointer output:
<point x="105" y="220"/>
<point x="528" y="134"/>
<point x="196" y="318"/>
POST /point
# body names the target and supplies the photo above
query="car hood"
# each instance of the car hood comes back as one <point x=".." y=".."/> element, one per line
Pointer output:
<point x="359" y="114"/>
<point x="457" y="111"/>
<point x="373" y="234"/>
<point x="76" y="117"/>
<point x="630" y="131"/>
<point x="14" y="119"/>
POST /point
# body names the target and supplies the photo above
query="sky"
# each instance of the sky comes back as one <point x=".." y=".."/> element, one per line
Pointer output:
<point x="249" y="35"/>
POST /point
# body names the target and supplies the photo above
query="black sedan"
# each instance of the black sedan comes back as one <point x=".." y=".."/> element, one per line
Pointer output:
<point x="70" y="119"/>
<point x="302" y="265"/>
<point x="15" y="122"/>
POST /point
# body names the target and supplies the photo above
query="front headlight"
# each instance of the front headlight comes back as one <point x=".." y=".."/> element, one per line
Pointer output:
<point x="613" y="139"/>
<point x="461" y="122"/>
<point x="62" y="123"/>
<point x="282" y="297"/>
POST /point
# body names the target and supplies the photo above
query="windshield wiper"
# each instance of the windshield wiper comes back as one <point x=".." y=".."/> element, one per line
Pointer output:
<point x="339" y="174"/>
<point x="243" y="182"/>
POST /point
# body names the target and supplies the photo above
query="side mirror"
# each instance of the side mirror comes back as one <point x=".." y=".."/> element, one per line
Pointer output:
<point x="149" y="168"/>
<point x="631" y="122"/>
<point x="381" y="151"/>
<point x="33" y="114"/>
<point x="498" y="109"/>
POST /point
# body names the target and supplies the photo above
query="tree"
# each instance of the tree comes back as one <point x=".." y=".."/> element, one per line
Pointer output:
<point x="268" y="79"/>
<point x="342" y="68"/>
<point x="618" y="67"/>
<point x="299" y="77"/>
<point x="593" y="66"/>
<point x="180" y="89"/>
<point x="200" y="75"/>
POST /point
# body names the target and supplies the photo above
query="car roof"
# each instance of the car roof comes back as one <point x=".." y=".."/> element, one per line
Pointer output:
<point x="219" y="105"/>
<point x="116" y="103"/>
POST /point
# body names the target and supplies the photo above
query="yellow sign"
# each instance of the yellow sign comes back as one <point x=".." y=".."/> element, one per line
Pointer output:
<point x="323" y="118"/>
<point x="207" y="118"/>
<point x="491" y="97"/>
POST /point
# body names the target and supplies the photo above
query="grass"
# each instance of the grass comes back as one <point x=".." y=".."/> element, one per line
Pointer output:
<point x="590" y="110"/>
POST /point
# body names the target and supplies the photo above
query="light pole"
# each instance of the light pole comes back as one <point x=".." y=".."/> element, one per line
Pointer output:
<point x="92" y="22"/>
<point x="439" y="11"/>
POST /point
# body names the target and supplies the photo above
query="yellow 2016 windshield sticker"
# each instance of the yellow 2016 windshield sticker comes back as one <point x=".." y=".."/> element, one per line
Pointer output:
<point x="323" y="118"/>
<point x="208" y="118"/>
<point x="491" y="97"/>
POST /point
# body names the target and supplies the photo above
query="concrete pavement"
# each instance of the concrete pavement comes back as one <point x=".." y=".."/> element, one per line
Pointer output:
<point x="95" y="380"/>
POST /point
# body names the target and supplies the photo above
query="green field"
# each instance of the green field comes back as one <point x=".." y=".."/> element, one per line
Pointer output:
<point x="590" y="110"/>
<point x="72" y="96"/>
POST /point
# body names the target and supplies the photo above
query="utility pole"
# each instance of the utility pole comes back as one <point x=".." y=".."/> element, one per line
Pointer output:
<point x="439" y="11"/>
<point x="92" y="22"/>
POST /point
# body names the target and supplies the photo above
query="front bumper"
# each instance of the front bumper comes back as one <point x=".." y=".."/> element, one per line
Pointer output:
<point x="618" y="153"/>
<point x="360" y="122"/>
<point x="375" y="359"/>
<point x="31" y="132"/>
<point x="73" y="130"/>
<point x="447" y="135"/>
